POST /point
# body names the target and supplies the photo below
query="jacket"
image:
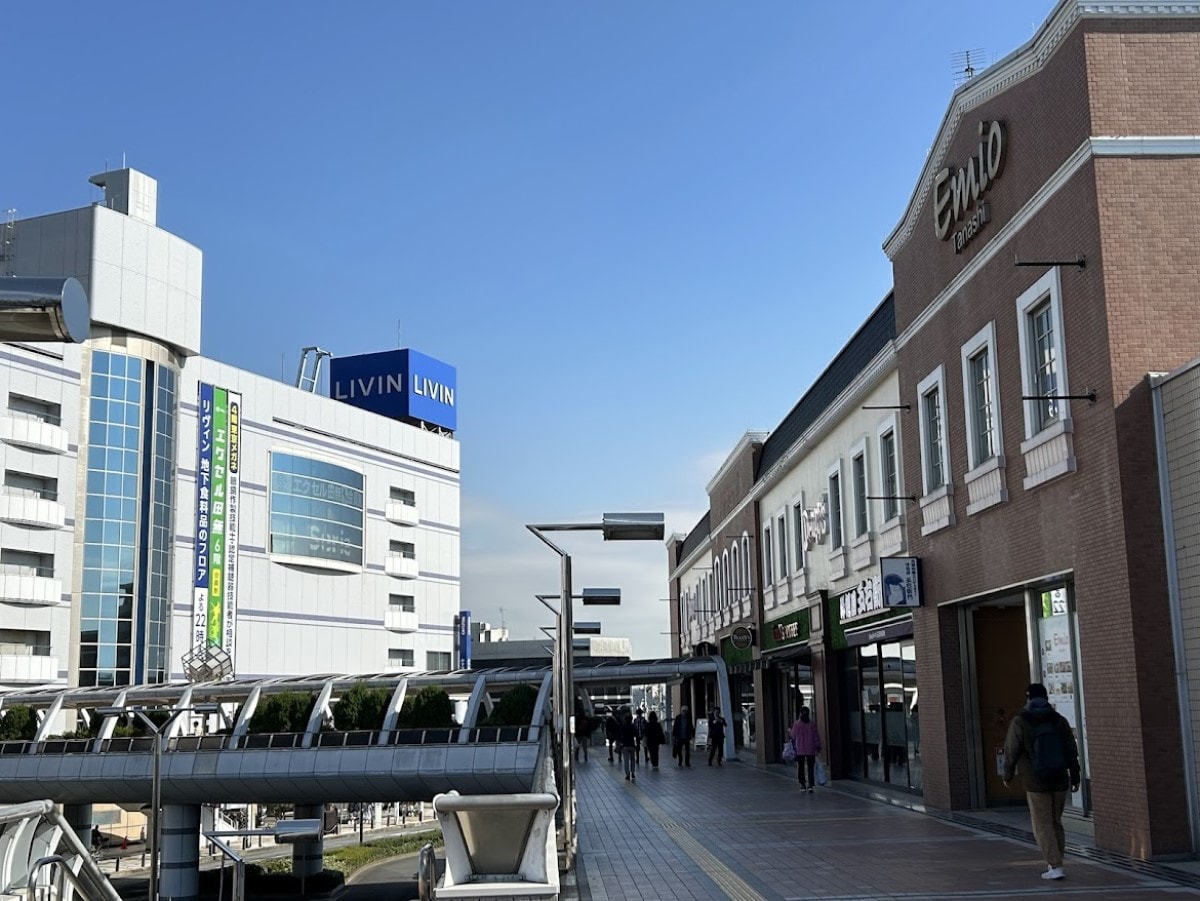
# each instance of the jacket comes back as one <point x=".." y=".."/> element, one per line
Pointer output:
<point x="682" y="730"/>
<point x="1018" y="748"/>
<point x="654" y="734"/>
<point x="806" y="738"/>
<point x="627" y="734"/>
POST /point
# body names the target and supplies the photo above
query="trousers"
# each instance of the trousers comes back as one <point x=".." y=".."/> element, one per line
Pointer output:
<point x="1046" y="810"/>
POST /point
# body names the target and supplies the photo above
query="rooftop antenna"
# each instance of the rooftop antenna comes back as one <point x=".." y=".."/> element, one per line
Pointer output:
<point x="502" y="618"/>
<point x="966" y="63"/>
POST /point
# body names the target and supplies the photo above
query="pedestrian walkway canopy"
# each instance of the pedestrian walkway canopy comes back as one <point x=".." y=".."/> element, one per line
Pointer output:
<point x="316" y="765"/>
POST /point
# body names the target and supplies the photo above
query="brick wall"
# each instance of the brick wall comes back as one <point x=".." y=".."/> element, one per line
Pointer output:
<point x="1131" y="311"/>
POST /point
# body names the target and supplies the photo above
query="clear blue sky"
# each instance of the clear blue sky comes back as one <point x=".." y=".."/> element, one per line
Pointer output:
<point x="637" y="229"/>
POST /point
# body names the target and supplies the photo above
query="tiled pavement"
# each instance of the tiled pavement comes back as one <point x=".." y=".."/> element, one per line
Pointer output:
<point x="747" y="833"/>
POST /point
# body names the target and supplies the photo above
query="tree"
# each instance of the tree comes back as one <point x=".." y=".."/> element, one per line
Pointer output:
<point x="360" y="708"/>
<point x="515" y="707"/>
<point x="287" y="711"/>
<point x="19" y="724"/>
<point x="430" y="708"/>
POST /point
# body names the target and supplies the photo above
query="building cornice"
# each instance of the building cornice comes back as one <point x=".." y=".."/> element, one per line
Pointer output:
<point x="1022" y="63"/>
<point x="743" y="444"/>
<point x="1126" y="146"/>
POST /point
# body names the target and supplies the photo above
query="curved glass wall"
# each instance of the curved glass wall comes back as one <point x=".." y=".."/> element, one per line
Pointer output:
<point x="316" y="509"/>
<point x="127" y="521"/>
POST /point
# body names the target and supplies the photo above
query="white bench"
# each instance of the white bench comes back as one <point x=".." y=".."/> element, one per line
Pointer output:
<point x="498" y="846"/>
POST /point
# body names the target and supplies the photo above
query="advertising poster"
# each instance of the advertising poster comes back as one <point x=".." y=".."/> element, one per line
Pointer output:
<point x="217" y="482"/>
<point x="901" y="581"/>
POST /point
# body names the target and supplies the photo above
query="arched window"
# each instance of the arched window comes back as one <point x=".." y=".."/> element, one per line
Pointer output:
<point x="739" y="585"/>
<point x="746" y="560"/>
<point x="727" y="579"/>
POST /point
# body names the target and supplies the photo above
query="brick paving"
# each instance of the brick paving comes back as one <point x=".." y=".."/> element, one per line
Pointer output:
<point x="747" y="833"/>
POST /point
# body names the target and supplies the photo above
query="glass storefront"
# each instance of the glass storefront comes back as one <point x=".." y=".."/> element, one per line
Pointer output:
<point x="879" y="713"/>
<point x="1058" y="663"/>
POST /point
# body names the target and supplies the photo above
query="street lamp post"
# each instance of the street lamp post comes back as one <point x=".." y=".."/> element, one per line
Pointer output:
<point x="615" y="527"/>
<point x="156" y="775"/>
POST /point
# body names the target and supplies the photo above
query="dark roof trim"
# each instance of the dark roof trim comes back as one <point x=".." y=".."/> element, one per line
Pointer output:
<point x="871" y="337"/>
<point x="696" y="537"/>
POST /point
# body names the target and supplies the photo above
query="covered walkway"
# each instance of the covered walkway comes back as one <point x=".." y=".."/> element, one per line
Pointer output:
<point x="747" y="832"/>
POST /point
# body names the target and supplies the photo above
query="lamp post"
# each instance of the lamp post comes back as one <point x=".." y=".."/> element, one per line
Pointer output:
<point x="615" y="527"/>
<point x="156" y="774"/>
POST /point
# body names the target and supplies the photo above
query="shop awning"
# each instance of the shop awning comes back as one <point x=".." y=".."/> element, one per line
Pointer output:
<point x="885" y="631"/>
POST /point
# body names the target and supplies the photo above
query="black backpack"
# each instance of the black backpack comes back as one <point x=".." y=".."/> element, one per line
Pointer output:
<point x="1049" y="755"/>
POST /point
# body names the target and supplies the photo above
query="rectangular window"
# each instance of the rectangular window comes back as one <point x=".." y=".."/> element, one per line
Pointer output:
<point x="26" y="563"/>
<point x="405" y="549"/>
<point x="1044" y="364"/>
<point x="768" y="563"/>
<point x="32" y="408"/>
<point x="860" y="495"/>
<point x="931" y="424"/>
<point x="402" y="603"/>
<point x="404" y="496"/>
<point x="981" y="398"/>
<point x="400" y="657"/>
<point x="983" y="428"/>
<point x="437" y="661"/>
<point x="836" y="538"/>
<point x="22" y="484"/>
<point x="891" y="483"/>
<point x="798" y="529"/>
<point x="316" y="509"/>
<point x="781" y="529"/>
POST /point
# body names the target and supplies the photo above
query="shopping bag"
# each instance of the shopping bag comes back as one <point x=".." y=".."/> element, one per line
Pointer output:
<point x="821" y="775"/>
<point x="789" y="752"/>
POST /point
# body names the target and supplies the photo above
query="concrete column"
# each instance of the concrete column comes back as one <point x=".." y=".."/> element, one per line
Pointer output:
<point x="308" y="858"/>
<point x="179" y="867"/>
<point x="79" y="816"/>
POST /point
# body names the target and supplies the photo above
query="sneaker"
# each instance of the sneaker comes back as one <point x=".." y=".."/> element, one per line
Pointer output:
<point x="1054" y="873"/>
<point x="626" y="778"/>
<point x="810" y="789"/>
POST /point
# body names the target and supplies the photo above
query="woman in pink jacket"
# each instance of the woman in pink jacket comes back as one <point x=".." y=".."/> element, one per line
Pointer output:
<point x="807" y="741"/>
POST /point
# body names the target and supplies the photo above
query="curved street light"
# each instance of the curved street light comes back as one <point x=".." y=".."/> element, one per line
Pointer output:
<point x="615" y="527"/>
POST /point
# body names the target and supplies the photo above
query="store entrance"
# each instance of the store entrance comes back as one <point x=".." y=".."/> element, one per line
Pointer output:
<point x="1001" y="667"/>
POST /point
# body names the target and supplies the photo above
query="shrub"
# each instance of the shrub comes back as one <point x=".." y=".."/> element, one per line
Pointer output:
<point x="287" y="711"/>
<point x="515" y="707"/>
<point x="360" y="708"/>
<point x="430" y="708"/>
<point x="19" y="724"/>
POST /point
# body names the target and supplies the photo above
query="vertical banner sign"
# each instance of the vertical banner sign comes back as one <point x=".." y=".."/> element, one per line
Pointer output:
<point x="464" y="640"/>
<point x="217" y="480"/>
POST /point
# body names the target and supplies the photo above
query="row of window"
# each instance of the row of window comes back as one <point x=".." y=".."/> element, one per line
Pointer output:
<point x="435" y="661"/>
<point x="1043" y="384"/>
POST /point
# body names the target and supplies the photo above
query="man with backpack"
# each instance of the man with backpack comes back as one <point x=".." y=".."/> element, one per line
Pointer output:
<point x="1041" y="741"/>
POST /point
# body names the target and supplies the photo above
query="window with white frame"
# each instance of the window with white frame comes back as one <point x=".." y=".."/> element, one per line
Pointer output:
<point x="400" y="657"/>
<point x="858" y="472"/>
<point x="982" y="402"/>
<point x="931" y="393"/>
<point x="836" y="539"/>
<point x="798" y="531"/>
<point x="1043" y="361"/>
<point x="739" y="587"/>
<point x="749" y="582"/>
<point x="781" y="533"/>
<point x="889" y="473"/>
<point x="768" y="562"/>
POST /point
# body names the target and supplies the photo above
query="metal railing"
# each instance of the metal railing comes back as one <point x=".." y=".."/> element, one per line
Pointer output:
<point x="41" y="494"/>
<point x="24" y="569"/>
<point x="139" y="744"/>
<point x="35" y="416"/>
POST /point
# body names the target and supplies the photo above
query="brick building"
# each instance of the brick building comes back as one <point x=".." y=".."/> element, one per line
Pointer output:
<point x="1044" y="266"/>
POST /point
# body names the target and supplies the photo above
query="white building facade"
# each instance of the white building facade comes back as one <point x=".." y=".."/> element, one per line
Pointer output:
<point x="336" y="550"/>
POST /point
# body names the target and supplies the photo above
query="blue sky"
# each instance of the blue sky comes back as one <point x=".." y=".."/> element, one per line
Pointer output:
<point x="637" y="229"/>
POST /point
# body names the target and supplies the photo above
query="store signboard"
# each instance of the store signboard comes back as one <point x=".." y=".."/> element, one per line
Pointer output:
<point x="464" y="639"/>
<point x="214" y="582"/>
<point x="901" y="581"/>
<point x="400" y="384"/>
<point x="865" y="599"/>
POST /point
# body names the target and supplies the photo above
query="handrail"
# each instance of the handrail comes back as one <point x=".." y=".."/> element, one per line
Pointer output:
<point x="141" y="744"/>
<point x="65" y="869"/>
<point x="239" y="867"/>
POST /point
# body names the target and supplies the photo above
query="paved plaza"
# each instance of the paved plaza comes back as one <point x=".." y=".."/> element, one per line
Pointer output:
<point x="746" y="832"/>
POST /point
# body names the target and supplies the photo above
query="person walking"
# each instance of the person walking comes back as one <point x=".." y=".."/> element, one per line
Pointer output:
<point x="655" y="738"/>
<point x="628" y="739"/>
<point x="683" y="730"/>
<point x="639" y="732"/>
<point x="806" y="739"/>
<point x="583" y="734"/>
<point x="716" y="737"/>
<point x="611" y="730"/>
<point x="1041" y="745"/>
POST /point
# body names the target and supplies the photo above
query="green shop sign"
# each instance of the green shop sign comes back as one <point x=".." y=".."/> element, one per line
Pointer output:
<point x="787" y="630"/>
<point x="732" y="655"/>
